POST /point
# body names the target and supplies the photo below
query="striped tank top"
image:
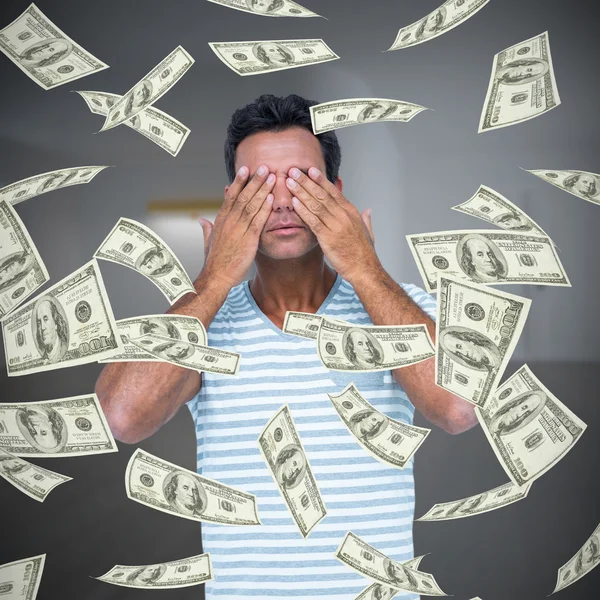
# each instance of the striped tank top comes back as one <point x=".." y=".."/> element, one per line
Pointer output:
<point x="361" y="494"/>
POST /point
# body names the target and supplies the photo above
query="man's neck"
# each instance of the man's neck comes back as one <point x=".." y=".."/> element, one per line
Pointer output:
<point x="299" y="284"/>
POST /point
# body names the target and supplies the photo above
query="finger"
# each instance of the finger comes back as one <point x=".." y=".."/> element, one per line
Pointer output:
<point x="319" y="178"/>
<point x="366" y="217"/>
<point x="255" y="186"/>
<point x="298" y="179"/>
<point x="235" y="188"/>
<point x="258" y="222"/>
<point x="317" y="207"/>
<point x="311" y="219"/>
<point x="248" y="210"/>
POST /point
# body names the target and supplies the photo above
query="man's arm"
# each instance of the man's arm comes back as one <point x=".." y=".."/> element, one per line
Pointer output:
<point x="388" y="304"/>
<point x="139" y="397"/>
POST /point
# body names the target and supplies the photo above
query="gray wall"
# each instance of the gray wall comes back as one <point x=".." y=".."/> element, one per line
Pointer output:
<point x="410" y="174"/>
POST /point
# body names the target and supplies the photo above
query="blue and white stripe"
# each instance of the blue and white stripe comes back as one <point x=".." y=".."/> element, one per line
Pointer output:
<point x="361" y="494"/>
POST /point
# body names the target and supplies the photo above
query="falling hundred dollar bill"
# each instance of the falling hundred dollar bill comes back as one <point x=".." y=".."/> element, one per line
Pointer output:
<point x="487" y="256"/>
<point x="184" y="572"/>
<point x="25" y="189"/>
<point x="529" y="429"/>
<point x="268" y="8"/>
<point x="583" y="184"/>
<point x="586" y="559"/>
<point x="389" y="441"/>
<point x="36" y="482"/>
<point x="286" y="458"/>
<point x="522" y="85"/>
<point x="175" y="327"/>
<point x="152" y="87"/>
<point x="44" y="52"/>
<point x="70" y="324"/>
<point x="449" y="15"/>
<point x="161" y="485"/>
<point x="503" y="495"/>
<point x="20" y="579"/>
<point x="267" y="56"/>
<point x="356" y="111"/>
<point x="134" y="245"/>
<point x="489" y="205"/>
<point x="162" y="129"/>
<point x="22" y="270"/>
<point x="360" y="349"/>
<point x="74" y="426"/>
<point x="369" y="562"/>
<point x="189" y="355"/>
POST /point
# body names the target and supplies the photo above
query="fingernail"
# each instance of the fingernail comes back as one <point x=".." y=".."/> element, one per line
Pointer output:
<point x="291" y="183"/>
<point x="314" y="172"/>
<point x="295" y="173"/>
<point x="370" y="212"/>
<point x="270" y="198"/>
<point x="271" y="178"/>
<point x="295" y="201"/>
<point x="242" y="171"/>
<point x="261" y="171"/>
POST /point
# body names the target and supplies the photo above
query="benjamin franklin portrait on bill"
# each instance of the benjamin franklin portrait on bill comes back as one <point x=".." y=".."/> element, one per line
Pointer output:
<point x="50" y="328"/>
<point x="273" y="54"/>
<point x="470" y="348"/>
<point x="45" y="53"/>
<point x="43" y="427"/>
<point x="185" y="494"/>
<point x="362" y="349"/>
<point x="481" y="259"/>
<point x="518" y="412"/>
<point x="290" y="466"/>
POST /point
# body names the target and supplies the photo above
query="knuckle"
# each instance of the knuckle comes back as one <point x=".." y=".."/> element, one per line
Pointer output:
<point x="321" y="195"/>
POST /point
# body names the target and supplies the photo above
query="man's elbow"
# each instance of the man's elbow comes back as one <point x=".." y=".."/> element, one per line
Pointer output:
<point x="460" y="418"/>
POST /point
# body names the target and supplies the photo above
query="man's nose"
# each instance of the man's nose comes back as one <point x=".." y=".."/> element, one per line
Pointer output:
<point x="282" y="196"/>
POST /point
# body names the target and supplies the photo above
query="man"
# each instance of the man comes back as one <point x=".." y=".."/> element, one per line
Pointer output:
<point x="272" y="157"/>
<point x="154" y="263"/>
<point x="138" y="98"/>
<point x="523" y="70"/>
<point x="588" y="556"/>
<point x="399" y="576"/>
<point x="185" y="494"/>
<point x="45" y="53"/>
<point x="367" y="424"/>
<point x="470" y="348"/>
<point x="480" y="259"/>
<point x="43" y="428"/>
<point x="290" y="466"/>
<point x="431" y="24"/>
<point x="51" y="331"/>
<point x="361" y="349"/>
<point x="146" y="575"/>
<point x="517" y="413"/>
<point x="583" y="184"/>
<point x="273" y="54"/>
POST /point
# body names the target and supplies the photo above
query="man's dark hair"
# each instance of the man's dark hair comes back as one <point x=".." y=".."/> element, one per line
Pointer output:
<point x="276" y="114"/>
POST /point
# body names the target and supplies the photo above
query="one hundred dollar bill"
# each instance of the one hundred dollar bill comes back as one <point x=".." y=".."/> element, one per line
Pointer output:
<point x="22" y="270"/>
<point x="284" y="454"/>
<point x="487" y="256"/>
<point x="174" y="327"/>
<point x="302" y="324"/>
<point x="361" y="349"/>
<point x="189" y="355"/>
<point x="356" y="111"/>
<point x="157" y="126"/>
<point x="369" y="562"/>
<point x="477" y="330"/>
<point x="61" y="428"/>
<point x="70" y="324"/>
<point x="36" y="482"/>
<point x="266" y="56"/>
<point x="378" y="591"/>
<point x="20" y="579"/>
<point x="268" y="8"/>
<point x="44" y="52"/>
<point x="529" y="429"/>
<point x="583" y="184"/>
<point x="522" y="85"/>
<point x="148" y="90"/>
<point x="489" y="205"/>
<point x="47" y="182"/>
<point x="581" y="564"/>
<point x="184" y="572"/>
<point x="500" y="496"/>
<point x="449" y="15"/>
<point x="134" y="245"/>
<point x="389" y="441"/>
<point x="169" y="488"/>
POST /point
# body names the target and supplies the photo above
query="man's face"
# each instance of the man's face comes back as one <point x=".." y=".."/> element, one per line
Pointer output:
<point x="467" y="506"/>
<point x="294" y="147"/>
<point x="371" y="423"/>
<point x="523" y="72"/>
<point x="512" y="221"/>
<point x="261" y="6"/>
<point x="588" y="553"/>
<point x="585" y="184"/>
<point x="516" y="414"/>
<point x="292" y="467"/>
<point x="8" y="270"/>
<point x="47" y="50"/>
<point x="46" y="325"/>
<point x="362" y="346"/>
<point x="185" y="492"/>
<point x="41" y="430"/>
<point x="275" y="54"/>
<point x="482" y="257"/>
<point x="9" y="464"/>
<point x="149" y="573"/>
<point x="383" y="593"/>
<point x="177" y="351"/>
<point x="432" y="21"/>
<point x="139" y="95"/>
<point x="465" y="349"/>
<point x="376" y="112"/>
<point x="398" y="574"/>
<point x="55" y="182"/>
<point x="152" y="263"/>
